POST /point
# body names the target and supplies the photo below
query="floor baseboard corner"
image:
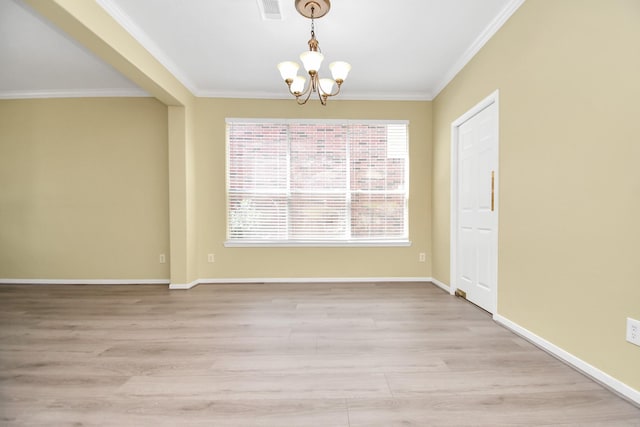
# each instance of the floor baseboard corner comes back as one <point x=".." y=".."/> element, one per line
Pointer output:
<point x="183" y="286"/>
<point x="440" y="284"/>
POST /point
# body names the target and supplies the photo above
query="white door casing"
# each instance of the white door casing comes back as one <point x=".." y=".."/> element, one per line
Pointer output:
<point x="474" y="204"/>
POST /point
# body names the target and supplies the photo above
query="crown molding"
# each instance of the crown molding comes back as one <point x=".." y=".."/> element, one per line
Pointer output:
<point x="74" y="93"/>
<point x="477" y="44"/>
<point x="136" y="32"/>
<point x="400" y="96"/>
<point x="139" y="93"/>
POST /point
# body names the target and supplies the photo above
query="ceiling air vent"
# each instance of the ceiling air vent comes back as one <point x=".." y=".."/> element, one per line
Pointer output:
<point x="270" y="10"/>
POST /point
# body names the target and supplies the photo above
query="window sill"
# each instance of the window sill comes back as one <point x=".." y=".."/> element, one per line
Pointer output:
<point x="315" y="244"/>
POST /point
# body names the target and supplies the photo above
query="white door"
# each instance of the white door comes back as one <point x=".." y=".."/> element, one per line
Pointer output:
<point x="477" y="219"/>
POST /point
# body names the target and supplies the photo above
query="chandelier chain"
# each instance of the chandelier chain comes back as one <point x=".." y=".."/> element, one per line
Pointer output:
<point x="313" y="29"/>
<point x="313" y="26"/>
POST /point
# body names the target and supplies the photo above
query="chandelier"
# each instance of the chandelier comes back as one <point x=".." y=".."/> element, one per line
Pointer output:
<point x="312" y="59"/>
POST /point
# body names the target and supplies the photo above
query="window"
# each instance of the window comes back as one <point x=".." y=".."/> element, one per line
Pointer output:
<point x="295" y="182"/>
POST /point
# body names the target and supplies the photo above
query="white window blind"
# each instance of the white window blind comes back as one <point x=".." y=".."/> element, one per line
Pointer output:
<point x="315" y="182"/>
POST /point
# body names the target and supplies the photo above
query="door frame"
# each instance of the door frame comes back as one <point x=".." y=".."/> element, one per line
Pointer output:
<point x="493" y="98"/>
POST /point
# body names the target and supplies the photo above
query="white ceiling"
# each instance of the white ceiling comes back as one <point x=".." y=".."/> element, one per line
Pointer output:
<point x="39" y="60"/>
<point x="402" y="49"/>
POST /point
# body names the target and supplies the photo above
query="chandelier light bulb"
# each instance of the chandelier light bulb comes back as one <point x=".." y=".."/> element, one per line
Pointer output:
<point x="311" y="60"/>
<point x="288" y="69"/>
<point x="326" y="86"/>
<point x="298" y="84"/>
<point x="339" y="70"/>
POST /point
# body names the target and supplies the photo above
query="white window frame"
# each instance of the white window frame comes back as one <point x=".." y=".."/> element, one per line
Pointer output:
<point x="376" y="242"/>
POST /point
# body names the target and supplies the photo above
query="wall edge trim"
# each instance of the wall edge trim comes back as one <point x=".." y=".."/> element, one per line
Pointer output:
<point x="84" y="281"/>
<point x="215" y="281"/>
<point x="205" y="281"/>
<point x="314" y="280"/>
<point x="75" y="93"/>
<point x="183" y="286"/>
<point x="146" y="42"/>
<point x="441" y="285"/>
<point x="475" y="47"/>
<point x="599" y="376"/>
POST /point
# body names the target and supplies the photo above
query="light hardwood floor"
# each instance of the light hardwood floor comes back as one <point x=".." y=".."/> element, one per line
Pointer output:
<point x="392" y="354"/>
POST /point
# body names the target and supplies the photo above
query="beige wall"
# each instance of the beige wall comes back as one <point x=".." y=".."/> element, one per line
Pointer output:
<point x="307" y="262"/>
<point x="87" y="193"/>
<point x="569" y="271"/>
<point x="83" y="189"/>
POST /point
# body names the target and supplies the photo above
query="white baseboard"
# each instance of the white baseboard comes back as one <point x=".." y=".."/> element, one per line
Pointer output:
<point x="84" y="281"/>
<point x="440" y="284"/>
<point x="591" y="371"/>
<point x="317" y="280"/>
<point x="196" y="282"/>
<point x="212" y="281"/>
<point x="183" y="286"/>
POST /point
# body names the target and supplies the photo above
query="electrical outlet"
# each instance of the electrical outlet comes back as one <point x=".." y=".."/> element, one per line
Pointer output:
<point x="211" y="258"/>
<point x="163" y="259"/>
<point x="422" y="257"/>
<point x="633" y="331"/>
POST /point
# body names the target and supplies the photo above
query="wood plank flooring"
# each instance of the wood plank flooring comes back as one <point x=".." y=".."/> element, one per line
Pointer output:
<point x="391" y="354"/>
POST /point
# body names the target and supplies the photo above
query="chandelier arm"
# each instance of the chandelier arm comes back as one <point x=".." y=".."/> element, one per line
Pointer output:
<point x="307" y="91"/>
<point x="305" y="99"/>
<point x="298" y="94"/>
<point x="339" y="85"/>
